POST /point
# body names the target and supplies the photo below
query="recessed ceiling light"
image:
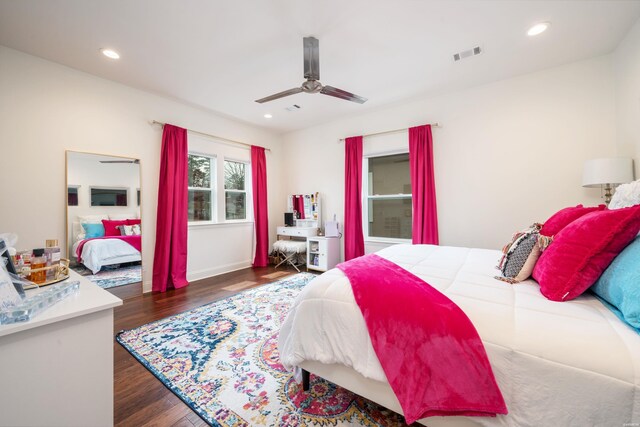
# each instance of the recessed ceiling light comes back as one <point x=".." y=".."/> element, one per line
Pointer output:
<point x="538" y="28"/>
<point x="110" y="53"/>
<point x="267" y="116"/>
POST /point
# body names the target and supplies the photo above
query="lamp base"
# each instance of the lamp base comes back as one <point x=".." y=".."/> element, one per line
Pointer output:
<point x="607" y="194"/>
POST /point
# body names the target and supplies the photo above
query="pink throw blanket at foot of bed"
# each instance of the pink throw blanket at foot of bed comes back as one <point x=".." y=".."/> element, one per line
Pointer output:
<point x="429" y="350"/>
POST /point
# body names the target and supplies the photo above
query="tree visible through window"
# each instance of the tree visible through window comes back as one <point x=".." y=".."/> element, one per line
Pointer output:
<point x="201" y="187"/>
<point x="235" y="190"/>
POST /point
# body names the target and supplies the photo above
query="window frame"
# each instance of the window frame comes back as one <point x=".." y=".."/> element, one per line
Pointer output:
<point x="366" y="183"/>
<point x="109" y="187"/>
<point x="77" y="189"/>
<point x="247" y="193"/>
<point x="213" y="179"/>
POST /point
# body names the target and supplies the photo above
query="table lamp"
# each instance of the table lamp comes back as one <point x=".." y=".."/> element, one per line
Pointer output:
<point x="606" y="173"/>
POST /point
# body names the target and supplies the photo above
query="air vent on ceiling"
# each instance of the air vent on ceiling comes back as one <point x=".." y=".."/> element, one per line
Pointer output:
<point x="294" y="107"/>
<point x="467" y="53"/>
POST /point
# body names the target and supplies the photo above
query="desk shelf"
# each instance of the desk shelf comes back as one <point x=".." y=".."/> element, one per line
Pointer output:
<point x="323" y="253"/>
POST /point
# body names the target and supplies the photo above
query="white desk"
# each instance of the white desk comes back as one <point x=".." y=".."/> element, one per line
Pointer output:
<point x="57" y="369"/>
<point x="297" y="231"/>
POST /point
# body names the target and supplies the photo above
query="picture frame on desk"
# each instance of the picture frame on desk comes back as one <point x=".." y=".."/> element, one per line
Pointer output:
<point x="288" y="219"/>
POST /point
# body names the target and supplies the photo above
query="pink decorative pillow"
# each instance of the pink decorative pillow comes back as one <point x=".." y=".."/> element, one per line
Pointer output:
<point x="582" y="250"/>
<point x="564" y="217"/>
<point x="111" y="227"/>
<point x="133" y="221"/>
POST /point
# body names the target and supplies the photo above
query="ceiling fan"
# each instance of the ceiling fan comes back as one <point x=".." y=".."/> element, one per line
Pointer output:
<point x="134" y="161"/>
<point x="312" y="74"/>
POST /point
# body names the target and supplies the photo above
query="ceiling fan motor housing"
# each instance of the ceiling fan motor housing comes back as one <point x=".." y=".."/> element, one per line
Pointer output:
<point x="311" y="86"/>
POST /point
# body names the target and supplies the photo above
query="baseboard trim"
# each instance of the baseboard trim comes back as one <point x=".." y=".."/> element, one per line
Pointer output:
<point x="216" y="271"/>
<point x="205" y="273"/>
<point x="146" y="286"/>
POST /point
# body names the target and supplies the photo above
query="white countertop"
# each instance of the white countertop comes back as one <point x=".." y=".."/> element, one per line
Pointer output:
<point x="89" y="298"/>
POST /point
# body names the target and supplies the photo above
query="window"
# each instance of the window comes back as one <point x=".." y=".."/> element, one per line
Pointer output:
<point x="72" y="195"/>
<point x="388" y="205"/>
<point x="201" y="187"/>
<point x="235" y="193"/>
<point x="105" y="196"/>
<point x="218" y="188"/>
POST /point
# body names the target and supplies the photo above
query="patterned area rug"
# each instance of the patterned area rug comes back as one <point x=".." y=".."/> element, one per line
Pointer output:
<point x="112" y="277"/>
<point x="222" y="360"/>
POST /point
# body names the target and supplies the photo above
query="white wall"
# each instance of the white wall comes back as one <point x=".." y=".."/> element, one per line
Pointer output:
<point x="627" y="75"/>
<point x="213" y="248"/>
<point x="46" y="108"/>
<point x="508" y="154"/>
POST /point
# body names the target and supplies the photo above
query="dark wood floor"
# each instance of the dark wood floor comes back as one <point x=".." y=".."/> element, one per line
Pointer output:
<point x="140" y="398"/>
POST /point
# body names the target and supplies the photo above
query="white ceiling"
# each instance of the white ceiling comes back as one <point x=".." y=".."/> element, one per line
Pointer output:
<point x="222" y="55"/>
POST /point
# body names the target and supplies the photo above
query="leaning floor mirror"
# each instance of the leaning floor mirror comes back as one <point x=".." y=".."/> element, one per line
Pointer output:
<point x="103" y="218"/>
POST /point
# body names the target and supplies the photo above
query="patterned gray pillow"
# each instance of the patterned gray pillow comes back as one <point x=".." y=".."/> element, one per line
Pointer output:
<point x="520" y="255"/>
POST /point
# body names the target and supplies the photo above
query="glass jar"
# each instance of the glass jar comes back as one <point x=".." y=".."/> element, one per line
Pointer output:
<point x="38" y="260"/>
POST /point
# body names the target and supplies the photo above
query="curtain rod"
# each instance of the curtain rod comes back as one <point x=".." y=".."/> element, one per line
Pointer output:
<point x="433" y="125"/>
<point x="155" y="122"/>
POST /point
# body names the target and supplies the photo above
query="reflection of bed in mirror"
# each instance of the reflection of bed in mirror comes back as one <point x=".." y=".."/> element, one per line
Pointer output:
<point x="103" y="212"/>
<point x="100" y="251"/>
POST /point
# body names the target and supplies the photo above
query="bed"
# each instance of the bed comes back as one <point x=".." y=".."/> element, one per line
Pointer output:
<point x="96" y="253"/>
<point x="568" y="363"/>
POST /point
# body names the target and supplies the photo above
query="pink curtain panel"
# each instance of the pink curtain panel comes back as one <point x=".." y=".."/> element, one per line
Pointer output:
<point x="170" y="260"/>
<point x="260" y="207"/>
<point x="353" y="237"/>
<point x="423" y="186"/>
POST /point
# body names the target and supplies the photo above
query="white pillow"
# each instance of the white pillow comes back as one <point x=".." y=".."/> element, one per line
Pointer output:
<point x="126" y="230"/>
<point x="120" y="217"/>
<point x="136" y="229"/>
<point x="91" y="219"/>
<point x="626" y="195"/>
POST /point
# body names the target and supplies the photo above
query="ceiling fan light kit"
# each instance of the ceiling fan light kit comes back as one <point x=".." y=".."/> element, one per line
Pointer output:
<point x="312" y="84"/>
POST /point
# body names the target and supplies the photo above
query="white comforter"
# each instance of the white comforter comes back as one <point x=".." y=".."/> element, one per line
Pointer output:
<point x="99" y="252"/>
<point x="557" y="363"/>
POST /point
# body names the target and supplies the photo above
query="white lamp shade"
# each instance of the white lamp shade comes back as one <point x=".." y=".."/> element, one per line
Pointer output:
<point x="612" y="171"/>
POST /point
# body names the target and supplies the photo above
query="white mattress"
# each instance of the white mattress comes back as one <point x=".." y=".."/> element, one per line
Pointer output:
<point x="100" y="252"/>
<point x="557" y="363"/>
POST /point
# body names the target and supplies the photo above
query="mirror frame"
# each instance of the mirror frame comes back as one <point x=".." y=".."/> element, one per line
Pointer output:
<point x="66" y="197"/>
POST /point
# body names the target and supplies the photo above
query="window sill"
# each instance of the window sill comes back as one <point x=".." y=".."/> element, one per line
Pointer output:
<point x="386" y="240"/>
<point x="211" y="224"/>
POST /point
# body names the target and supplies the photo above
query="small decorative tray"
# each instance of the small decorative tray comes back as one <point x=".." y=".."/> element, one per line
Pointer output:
<point x="51" y="282"/>
<point x="61" y="272"/>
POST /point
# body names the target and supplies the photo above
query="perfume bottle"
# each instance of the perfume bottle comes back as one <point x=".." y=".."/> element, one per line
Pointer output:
<point x="38" y="260"/>
<point x="52" y="256"/>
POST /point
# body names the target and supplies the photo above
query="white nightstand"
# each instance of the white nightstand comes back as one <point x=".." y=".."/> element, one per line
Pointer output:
<point x="323" y="253"/>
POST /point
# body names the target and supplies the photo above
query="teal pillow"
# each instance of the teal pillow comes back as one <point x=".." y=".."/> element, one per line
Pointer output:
<point x="92" y="231"/>
<point x="619" y="285"/>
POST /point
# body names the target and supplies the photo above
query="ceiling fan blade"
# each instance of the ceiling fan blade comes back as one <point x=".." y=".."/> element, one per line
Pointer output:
<point x="311" y="58"/>
<point x="279" y="95"/>
<point x="342" y="94"/>
<point x="118" y="161"/>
